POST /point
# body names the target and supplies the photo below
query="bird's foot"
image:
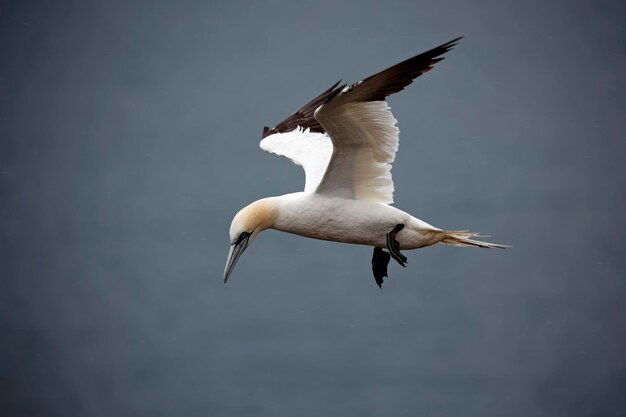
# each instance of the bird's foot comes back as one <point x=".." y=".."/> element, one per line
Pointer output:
<point x="380" y="260"/>
<point x="393" y="246"/>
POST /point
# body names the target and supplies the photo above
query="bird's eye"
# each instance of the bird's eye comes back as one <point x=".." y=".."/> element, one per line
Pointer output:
<point x="242" y="236"/>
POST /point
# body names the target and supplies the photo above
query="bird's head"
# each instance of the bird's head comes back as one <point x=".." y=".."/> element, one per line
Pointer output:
<point x="246" y="225"/>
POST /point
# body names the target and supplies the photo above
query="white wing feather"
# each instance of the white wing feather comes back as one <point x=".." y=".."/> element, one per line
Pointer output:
<point x="310" y="150"/>
<point x="365" y="140"/>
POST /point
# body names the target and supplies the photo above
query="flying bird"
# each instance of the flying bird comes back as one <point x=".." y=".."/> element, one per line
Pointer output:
<point x="346" y="140"/>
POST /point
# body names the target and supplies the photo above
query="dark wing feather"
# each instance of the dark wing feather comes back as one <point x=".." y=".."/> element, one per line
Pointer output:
<point x="304" y="117"/>
<point x="395" y="78"/>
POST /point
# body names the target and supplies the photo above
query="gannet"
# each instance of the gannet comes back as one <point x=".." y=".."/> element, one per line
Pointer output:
<point x="346" y="140"/>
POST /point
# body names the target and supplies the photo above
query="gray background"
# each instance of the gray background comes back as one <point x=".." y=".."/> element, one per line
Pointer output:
<point x="129" y="139"/>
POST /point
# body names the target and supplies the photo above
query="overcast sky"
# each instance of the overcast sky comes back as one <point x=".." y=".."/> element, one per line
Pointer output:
<point x="129" y="138"/>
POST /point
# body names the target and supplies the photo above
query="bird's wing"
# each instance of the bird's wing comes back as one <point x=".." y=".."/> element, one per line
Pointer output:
<point x="301" y="138"/>
<point x="363" y="130"/>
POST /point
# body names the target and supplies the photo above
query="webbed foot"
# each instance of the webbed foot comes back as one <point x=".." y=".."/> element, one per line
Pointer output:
<point x="380" y="260"/>
<point x="393" y="246"/>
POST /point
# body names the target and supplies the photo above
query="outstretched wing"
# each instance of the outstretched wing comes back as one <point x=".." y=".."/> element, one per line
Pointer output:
<point x="301" y="138"/>
<point x="363" y="130"/>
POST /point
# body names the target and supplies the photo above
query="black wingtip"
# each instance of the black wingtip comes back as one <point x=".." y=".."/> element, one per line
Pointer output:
<point x="379" y="86"/>
<point x="334" y="86"/>
<point x="305" y="117"/>
<point x="451" y="44"/>
<point x="444" y="48"/>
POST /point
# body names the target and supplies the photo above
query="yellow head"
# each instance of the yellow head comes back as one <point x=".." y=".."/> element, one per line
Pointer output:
<point x="246" y="225"/>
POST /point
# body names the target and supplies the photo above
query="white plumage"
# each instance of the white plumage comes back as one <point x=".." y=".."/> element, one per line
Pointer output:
<point x="346" y="140"/>
<point x="365" y="141"/>
<point x="310" y="150"/>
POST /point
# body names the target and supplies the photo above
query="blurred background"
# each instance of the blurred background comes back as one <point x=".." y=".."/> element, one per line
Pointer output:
<point x="129" y="138"/>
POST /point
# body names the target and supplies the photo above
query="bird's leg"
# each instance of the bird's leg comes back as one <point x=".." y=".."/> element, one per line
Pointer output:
<point x="393" y="246"/>
<point x="380" y="260"/>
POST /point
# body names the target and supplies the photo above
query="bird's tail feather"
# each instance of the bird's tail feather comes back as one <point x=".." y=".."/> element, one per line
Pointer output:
<point x="463" y="238"/>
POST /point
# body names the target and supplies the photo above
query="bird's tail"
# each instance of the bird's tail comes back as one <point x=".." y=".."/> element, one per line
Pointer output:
<point x="463" y="238"/>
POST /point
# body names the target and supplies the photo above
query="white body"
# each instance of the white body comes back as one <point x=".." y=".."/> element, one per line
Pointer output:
<point x="351" y="221"/>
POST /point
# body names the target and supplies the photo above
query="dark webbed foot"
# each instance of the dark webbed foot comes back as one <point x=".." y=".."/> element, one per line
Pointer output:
<point x="393" y="246"/>
<point x="380" y="260"/>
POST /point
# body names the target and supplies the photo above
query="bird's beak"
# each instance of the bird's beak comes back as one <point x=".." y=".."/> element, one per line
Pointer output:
<point x="236" y="249"/>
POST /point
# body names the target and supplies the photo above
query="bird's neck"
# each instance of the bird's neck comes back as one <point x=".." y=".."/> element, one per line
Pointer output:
<point x="264" y="212"/>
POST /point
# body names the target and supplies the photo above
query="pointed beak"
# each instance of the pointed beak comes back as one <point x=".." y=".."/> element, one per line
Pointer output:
<point x="236" y="249"/>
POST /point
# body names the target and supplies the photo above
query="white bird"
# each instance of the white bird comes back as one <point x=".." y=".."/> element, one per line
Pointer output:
<point x="346" y="140"/>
